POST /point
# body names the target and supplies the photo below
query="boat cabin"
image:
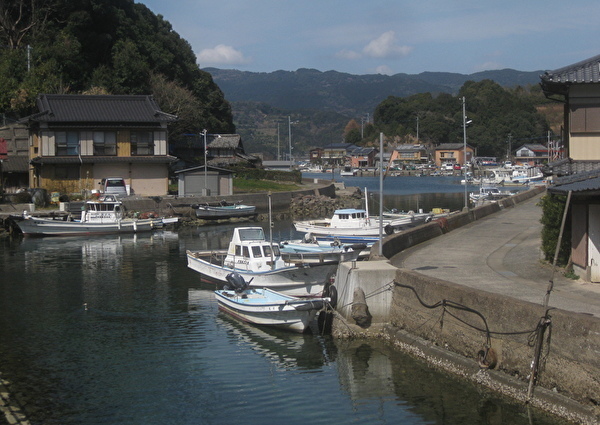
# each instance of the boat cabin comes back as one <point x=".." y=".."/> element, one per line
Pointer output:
<point x="249" y="250"/>
<point x="105" y="209"/>
<point x="349" y="217"/>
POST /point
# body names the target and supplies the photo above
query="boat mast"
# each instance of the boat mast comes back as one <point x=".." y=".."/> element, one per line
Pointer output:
<point x="271" y="232"/>
<point x="380" y="194"/>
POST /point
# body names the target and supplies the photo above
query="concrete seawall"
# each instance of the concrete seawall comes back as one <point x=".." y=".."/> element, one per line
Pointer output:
<point x="280" y="201"/>
<point x="449" y="325"/>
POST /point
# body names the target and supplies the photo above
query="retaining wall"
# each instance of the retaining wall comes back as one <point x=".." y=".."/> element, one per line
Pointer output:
<point x="572" y="365"/>
<point x="570" y="369"/>
<point x="280" y="201"/>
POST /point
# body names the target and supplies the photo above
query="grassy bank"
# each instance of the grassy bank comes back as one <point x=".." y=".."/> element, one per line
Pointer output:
<point x="254" y="186"/>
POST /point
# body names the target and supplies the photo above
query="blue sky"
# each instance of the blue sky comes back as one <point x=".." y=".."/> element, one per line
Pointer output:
<point x="386" y="37"/>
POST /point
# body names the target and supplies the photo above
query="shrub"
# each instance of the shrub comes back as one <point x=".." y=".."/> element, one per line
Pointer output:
<point x="552" y="212"/>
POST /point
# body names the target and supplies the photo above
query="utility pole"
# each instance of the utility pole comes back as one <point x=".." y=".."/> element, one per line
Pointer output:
<point x="205" y="166"/>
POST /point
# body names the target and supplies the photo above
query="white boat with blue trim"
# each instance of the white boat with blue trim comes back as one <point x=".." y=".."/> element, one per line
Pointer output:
<point x="261" y="262"/>
<point x="263" y="306"/>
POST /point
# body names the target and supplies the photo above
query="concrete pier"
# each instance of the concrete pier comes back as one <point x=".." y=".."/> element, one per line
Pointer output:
<point x="475" y="281"/>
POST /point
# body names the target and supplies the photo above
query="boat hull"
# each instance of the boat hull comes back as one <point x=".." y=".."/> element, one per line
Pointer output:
<point x="269" y="308"/>
<point x="295" y="280"/>
<point x="33" y="226"/>
<point x="217" y="212"/>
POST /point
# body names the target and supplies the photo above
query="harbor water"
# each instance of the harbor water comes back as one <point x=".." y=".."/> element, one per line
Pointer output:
<point x="117" y="330"/>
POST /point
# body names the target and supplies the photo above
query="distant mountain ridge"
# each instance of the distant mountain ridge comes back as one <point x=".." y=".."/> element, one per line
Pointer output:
<point x="348" y="94"/>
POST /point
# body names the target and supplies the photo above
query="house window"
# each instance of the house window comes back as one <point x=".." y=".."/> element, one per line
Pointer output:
<point x="142" y="143"/>
<point x="66" y="172"/>
<point x="105" y="143"/>
<point x="67" y="143"/>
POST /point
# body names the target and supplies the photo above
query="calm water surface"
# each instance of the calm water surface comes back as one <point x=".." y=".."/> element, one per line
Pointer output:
<point x="117" y="330"/>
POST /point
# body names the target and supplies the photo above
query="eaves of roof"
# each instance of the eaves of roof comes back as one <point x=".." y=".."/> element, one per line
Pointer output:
<point x="150" y="159"/>
<point x="586" y="71"/>
<point x="91" y="108"/>
<point x="590" y="187"/>
<point x="15" y="163"/>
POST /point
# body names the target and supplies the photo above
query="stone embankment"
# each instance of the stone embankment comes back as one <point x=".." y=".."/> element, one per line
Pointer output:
<point x="454" y="327"/>
<point x="319" y="206"/>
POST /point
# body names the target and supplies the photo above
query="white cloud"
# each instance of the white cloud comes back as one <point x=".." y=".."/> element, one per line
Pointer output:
<point x="222" y="55"/>
<point x="383" y="69"/>
<point x="348" y="54"/>
<point x="487" y="66"/>
<point x="385" y="46"/>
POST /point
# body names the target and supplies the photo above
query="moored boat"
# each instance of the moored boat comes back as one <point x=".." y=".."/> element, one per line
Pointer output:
<point x="224" y="210"/>
<point x="263" y="306"/>
<point x="348" y="225"/>
<point x="488" y="193"/>
<point x="102" y="216"/>
<point x="311" y="251"/>
<point x="260" y="261"/>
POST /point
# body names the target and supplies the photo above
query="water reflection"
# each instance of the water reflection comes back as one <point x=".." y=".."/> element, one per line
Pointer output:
<point x="117" y="330"/>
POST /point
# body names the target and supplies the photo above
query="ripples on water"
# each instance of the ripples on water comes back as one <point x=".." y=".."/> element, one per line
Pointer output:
<point x="117" y="330"/>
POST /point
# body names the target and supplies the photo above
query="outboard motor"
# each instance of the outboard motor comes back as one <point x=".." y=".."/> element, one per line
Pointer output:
<point x="236" y="282"/>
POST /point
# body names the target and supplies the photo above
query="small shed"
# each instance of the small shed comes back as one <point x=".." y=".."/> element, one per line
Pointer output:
<point x="201" y="181"/>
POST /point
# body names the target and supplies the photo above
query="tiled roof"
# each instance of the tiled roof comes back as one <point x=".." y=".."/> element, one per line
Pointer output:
<point x="451" y="146"/>
<point x="150" y="159"/>
<point x="586" y="71"/>
<point x="65" y="108"/>
<point x="223" y="141"/>
<point x="15" y="163"/>
<point x="361" y="151"/>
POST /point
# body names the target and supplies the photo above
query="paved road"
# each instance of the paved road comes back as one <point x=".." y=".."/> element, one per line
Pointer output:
<point x="501" y="254"/>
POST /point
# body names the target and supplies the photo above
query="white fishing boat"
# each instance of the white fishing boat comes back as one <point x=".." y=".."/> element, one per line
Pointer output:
<point x="350" y="225"/>
<point x="101" y="216"/>
<point x="224" y="210"/>
<point x="527" y="176"/>
<point x="263" y="306"/>
<point x="260" y="261"/>
<point x="488" y="193"/>
<point x="348" y="172"/>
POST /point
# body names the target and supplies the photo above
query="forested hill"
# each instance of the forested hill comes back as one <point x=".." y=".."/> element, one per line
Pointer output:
<point x="351" y="95"/>
<point x="103" y="47"/>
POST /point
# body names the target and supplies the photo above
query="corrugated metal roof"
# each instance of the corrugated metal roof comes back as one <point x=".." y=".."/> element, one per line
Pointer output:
<point x="586" y="71"/>
<point x="99" y="108"/>
<point x="591" y="185"/>
<point x="581" y="182"/>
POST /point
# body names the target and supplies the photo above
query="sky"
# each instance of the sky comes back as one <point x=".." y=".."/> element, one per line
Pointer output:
<point x="385" y="36"/>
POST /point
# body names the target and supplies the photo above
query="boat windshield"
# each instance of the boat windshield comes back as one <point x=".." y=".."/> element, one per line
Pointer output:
<point x="252" y="234"/>
<point x="267" y="250"/>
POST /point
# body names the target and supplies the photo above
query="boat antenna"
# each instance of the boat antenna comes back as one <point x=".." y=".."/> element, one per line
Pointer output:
<point x="367" y="203"/>
<point x="271" y="230"/>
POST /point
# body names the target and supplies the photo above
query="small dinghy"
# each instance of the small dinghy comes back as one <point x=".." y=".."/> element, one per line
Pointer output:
<point x="262" y="306"/>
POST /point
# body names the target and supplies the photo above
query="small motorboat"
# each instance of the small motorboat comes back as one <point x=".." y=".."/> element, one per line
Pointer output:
<point x="224" y="210"/>
<point x="263" y="306"/>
